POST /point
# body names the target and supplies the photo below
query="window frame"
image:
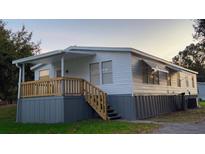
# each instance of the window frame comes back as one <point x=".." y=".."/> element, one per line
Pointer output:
<point x="187" y="81"/>
<point x="178" y="80"/>
<point x="145" y="74"/>
<point x="43" y="77"/>
<point x="169" y="79"/>
<point x="98" y="71"/>
<point x="193" y="82"/>
<point x="149" y="76"/>
<point x="107" y="73"/>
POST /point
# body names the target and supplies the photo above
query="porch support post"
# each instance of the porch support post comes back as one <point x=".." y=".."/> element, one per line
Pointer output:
<point x="62" y="66"/>
<point x="23" y="72"/>
<point x="19" y="83"/>
<point x="62" y="75"/>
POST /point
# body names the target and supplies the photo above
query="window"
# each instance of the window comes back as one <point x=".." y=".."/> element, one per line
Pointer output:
<point x="150" y="76"/>
<point x="95" y="74"/>
<point x="145" y="73"/>
<point x="169" y="79"/>
<point x="192" y="79"/>
<point x="44" y="74"/>
<point x="107" y="72"/>
<point x="187" y="81"/>
<point x="155" y="77"/>
<point x="178" y="80"/>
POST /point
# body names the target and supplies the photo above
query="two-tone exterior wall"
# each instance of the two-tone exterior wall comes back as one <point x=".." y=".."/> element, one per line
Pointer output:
<point x="140" y="88"/>
<point x="127" y="74"/>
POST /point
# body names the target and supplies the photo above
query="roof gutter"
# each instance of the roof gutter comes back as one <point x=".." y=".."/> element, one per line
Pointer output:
<point x="19" y="82"/>
<point x="32" y="58"/>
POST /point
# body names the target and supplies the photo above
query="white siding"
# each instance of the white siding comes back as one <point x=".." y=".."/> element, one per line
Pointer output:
<point x="79" y="67"/>
<point x="143" y="88"/>
<point x="122" y="78"/>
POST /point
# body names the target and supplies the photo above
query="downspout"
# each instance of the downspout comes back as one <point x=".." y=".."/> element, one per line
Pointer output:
<point x="62" y="75"/>
<point x="19" y="82"/>
<point x="19" y="89"/>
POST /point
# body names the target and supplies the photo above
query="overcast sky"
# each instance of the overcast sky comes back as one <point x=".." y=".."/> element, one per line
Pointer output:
<point x="162" y="38"/>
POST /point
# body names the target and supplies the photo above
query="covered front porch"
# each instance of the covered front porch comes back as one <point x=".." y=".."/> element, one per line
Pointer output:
<point x="65" y="86"/>
<point x="71" y="81"/>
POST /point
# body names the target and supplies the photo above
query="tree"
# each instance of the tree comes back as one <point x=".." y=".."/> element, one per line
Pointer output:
<point x="14" y="46"/>
<point x="193" y="56"/>
<point x="199" y="27"/>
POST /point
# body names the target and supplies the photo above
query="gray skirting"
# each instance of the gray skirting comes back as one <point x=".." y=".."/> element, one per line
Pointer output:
<point x="124" y="105"/>
<point x="142" y="107"/>
<point x="40" y="110"/>
<point x="54" y="109"/>
<point x="59" y="109"/>
<point x="75" y="108"/>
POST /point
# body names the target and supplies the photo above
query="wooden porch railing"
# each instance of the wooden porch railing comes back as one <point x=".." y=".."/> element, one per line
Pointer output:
<point x="65" y="86"/>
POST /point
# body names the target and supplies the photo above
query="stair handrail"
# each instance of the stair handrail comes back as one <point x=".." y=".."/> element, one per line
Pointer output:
<point x="96" y="98"/>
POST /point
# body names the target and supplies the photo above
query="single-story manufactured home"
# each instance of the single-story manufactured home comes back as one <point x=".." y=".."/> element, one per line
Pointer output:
<point x="85" y="82"/>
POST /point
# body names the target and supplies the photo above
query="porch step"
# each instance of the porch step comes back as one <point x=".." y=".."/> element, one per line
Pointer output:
<point x="112" y="114"/>
<point x="114" y="117"/>
<point x="110" y="110"/>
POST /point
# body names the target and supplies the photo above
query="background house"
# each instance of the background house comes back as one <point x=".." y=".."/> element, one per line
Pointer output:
<point x="201" y="90"/>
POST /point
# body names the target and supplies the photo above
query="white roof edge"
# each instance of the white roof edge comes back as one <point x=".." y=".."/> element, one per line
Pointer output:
<point x="31" y="58"/>
<point x="84" y="48"/>
<point x="99" y="48"/>
<point x="133" y="50"/>
<point x="162" y="60"/>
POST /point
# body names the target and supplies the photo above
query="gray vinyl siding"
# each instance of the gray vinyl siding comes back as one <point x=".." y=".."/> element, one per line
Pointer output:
<point x="80" y="67"/>
<point x="140" y="88"/>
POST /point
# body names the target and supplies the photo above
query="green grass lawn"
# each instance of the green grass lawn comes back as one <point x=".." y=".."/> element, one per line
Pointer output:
<point x="202" y="103"/>
<point x="191" y="115"/>
<point x="95" y="126"/>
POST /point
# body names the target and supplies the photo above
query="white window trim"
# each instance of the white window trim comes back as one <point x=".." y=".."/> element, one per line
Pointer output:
<point x="99" y="72"/>
<point x="44" y="70"/>
<point x="102" y="72"/>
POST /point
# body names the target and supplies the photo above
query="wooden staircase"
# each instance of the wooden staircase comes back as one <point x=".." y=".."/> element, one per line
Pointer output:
<point x="97" y="99"/>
